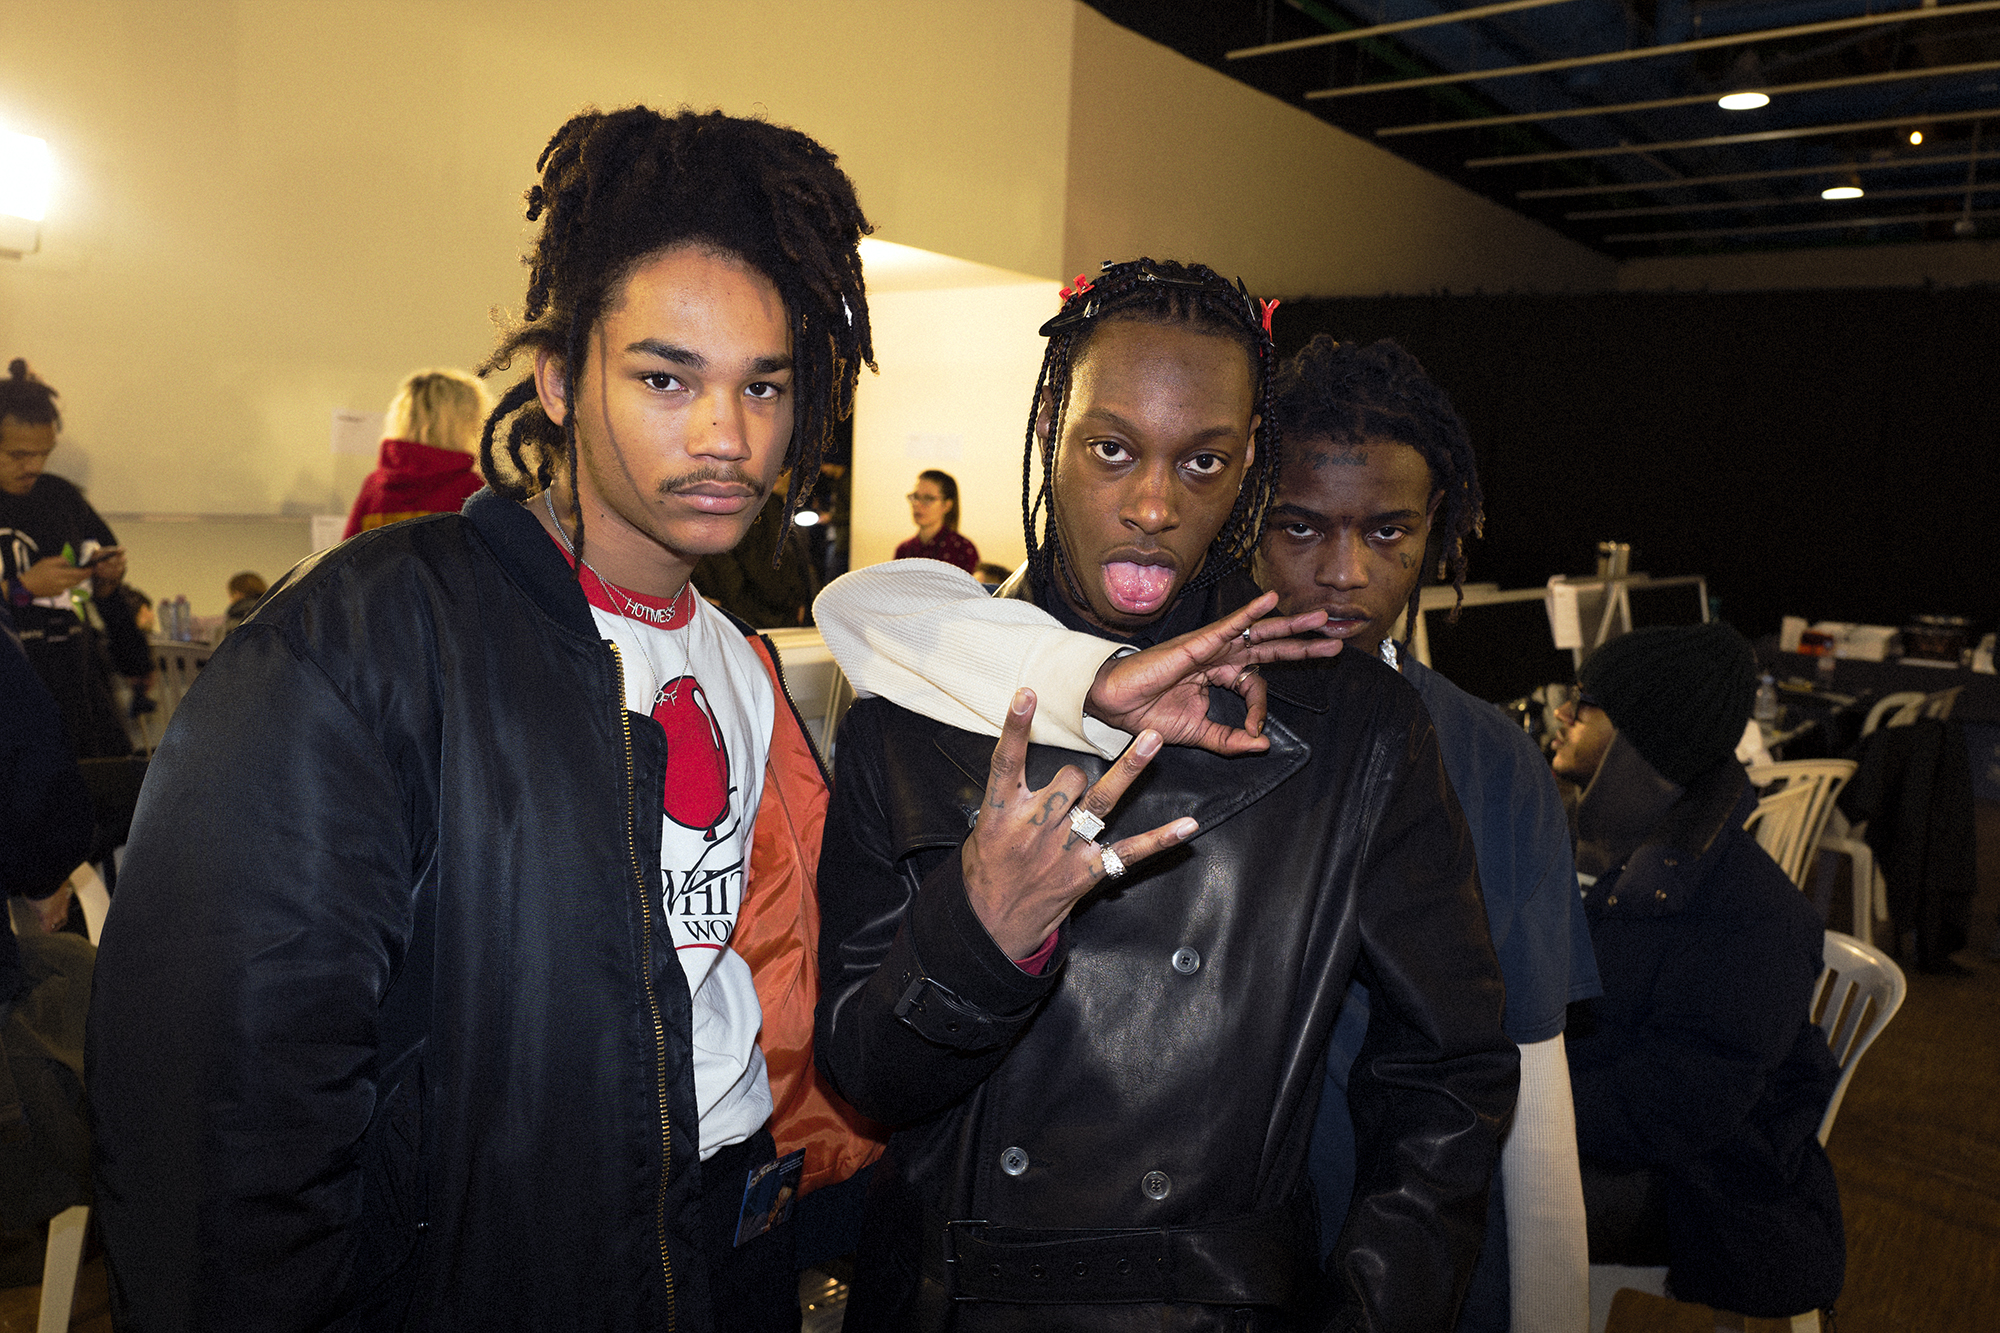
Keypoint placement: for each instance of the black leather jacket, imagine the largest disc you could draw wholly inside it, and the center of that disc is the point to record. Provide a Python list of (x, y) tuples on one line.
[(1120, 1142), (388, 1031)]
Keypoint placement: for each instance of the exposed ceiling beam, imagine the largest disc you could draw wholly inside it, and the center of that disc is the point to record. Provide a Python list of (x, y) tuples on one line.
[(1725, 140), (1383, 29), (1827, 169), (1780, 90), (1773, 229), (1671, 48), (1667, 210)]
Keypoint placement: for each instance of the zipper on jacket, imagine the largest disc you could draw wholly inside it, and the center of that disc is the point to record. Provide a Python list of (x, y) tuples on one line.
[(785, 692), (646, 981)]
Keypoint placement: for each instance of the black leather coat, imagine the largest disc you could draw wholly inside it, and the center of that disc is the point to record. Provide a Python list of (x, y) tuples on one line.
[(388, 1031), (1133, 1123)]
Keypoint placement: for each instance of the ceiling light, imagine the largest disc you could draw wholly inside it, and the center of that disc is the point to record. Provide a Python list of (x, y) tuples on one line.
[(1916, 137), (805, 518), (1743, 101), (1841, 192), (24, 176)]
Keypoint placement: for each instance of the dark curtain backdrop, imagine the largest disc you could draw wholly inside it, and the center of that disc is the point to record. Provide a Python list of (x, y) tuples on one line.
[(1826, 454)]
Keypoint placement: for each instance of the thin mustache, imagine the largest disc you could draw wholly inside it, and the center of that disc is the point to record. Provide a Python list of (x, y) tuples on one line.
[(728, 476)]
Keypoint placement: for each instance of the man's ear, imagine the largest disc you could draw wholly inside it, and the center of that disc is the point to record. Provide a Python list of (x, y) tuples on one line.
[(1045, 420), (550, 385), (1250, 454), (1431, 510)]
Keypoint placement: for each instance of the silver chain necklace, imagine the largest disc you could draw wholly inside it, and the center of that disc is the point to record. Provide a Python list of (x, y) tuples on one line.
[(623, 604)]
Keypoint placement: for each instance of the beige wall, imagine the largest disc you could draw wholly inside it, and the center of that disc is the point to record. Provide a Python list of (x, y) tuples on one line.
[(1946, 263), (1172, 159), (269, 210)]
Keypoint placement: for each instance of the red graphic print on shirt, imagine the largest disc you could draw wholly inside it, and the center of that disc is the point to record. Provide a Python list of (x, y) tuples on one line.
[(697, 757)]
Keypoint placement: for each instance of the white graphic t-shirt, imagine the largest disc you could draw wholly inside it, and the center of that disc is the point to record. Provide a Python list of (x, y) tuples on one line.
[(692, 671)]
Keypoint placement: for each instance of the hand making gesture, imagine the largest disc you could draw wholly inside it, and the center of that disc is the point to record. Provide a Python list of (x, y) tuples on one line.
[(1166, 686), (1033, 854)]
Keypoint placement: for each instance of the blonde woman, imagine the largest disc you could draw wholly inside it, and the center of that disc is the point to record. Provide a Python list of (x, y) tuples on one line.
[(426, 463)]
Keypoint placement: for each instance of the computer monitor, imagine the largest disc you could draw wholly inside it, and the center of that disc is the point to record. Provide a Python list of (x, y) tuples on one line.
[(1500, 649), (1676, 601)]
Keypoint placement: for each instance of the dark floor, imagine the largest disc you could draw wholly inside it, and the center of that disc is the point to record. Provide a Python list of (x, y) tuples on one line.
[(1916, 1149)]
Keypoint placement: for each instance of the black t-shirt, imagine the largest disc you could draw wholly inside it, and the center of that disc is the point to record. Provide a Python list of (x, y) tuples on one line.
[(34, 527)]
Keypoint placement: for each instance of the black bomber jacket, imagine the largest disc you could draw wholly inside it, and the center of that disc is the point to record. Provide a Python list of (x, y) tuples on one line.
[(387, 1031)]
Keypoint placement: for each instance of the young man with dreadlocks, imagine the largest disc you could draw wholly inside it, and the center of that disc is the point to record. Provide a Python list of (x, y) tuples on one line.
[(1378, 485), (464, 1031), (1101, 1057)]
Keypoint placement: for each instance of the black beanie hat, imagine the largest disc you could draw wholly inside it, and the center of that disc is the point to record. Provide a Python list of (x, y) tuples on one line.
[(1679, 693)]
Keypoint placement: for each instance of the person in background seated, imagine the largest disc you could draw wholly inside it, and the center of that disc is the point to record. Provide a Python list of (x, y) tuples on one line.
[(45, 832), (990, 575), (934, 509), (425, 466), (56, 555), (1699, 1077), (245, 591)]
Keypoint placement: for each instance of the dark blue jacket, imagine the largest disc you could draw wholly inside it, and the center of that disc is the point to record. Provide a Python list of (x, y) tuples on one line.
[(1700, 1059)]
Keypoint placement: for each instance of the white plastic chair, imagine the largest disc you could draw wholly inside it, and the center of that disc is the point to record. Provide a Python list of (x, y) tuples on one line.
[(1856, 995), (1789, 820), (1860, 991)]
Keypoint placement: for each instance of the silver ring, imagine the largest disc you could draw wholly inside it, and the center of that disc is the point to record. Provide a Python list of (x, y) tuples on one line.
[(1086, 825), (1114, 866), (1246, 634)]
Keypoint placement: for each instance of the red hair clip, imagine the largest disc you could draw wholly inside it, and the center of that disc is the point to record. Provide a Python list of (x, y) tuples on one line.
[(1083, 284), (1270, 306)]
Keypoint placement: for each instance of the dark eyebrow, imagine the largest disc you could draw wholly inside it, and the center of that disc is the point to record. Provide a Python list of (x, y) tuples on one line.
[(1372, 520), (687, 356), (1222, 432)]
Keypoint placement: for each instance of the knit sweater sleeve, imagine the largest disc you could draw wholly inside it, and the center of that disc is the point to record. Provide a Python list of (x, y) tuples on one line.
[(925, 635)]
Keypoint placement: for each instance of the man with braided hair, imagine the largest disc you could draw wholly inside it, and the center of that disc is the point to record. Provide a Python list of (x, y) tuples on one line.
[(475, 864), (1101, 1057)]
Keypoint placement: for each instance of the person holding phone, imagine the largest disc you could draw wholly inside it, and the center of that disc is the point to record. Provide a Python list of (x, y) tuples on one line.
[(56, 554)]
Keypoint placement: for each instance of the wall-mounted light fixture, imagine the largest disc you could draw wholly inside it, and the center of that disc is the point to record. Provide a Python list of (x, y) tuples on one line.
[(25, 173)]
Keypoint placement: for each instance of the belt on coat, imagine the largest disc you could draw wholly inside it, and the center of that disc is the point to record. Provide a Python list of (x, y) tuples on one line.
[(1262, 1259)]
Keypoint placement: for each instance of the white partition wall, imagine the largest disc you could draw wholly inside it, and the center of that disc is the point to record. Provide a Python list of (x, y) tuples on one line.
[(958, 371)]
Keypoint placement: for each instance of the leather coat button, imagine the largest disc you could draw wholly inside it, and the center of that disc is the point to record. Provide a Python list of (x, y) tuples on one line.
[(1186, 961), (1156, 1184), (1014, 1161)]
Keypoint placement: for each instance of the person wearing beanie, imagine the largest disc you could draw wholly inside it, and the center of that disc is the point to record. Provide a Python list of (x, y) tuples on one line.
[(1699, 1077)]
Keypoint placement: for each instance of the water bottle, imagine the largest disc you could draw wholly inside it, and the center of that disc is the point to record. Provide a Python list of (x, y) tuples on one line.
[(1766, 711)]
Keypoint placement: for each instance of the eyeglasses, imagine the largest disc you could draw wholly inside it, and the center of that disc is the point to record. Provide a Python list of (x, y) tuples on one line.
[(917, 497)]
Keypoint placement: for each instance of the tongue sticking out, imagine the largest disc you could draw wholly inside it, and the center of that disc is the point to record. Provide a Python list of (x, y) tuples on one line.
[(1137, 589)]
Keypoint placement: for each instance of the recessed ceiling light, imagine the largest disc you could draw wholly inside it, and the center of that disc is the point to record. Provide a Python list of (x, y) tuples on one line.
[(1743, 101), (1841, 192), (1916, 137)]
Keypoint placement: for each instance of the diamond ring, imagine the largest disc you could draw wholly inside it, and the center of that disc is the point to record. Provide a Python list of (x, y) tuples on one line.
[(1114, 866), (1086, 825)]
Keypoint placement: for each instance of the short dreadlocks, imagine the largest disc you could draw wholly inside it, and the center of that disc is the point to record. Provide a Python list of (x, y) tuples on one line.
[(618, 188), (1149, 291), (1352, 394), (27, 399)]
